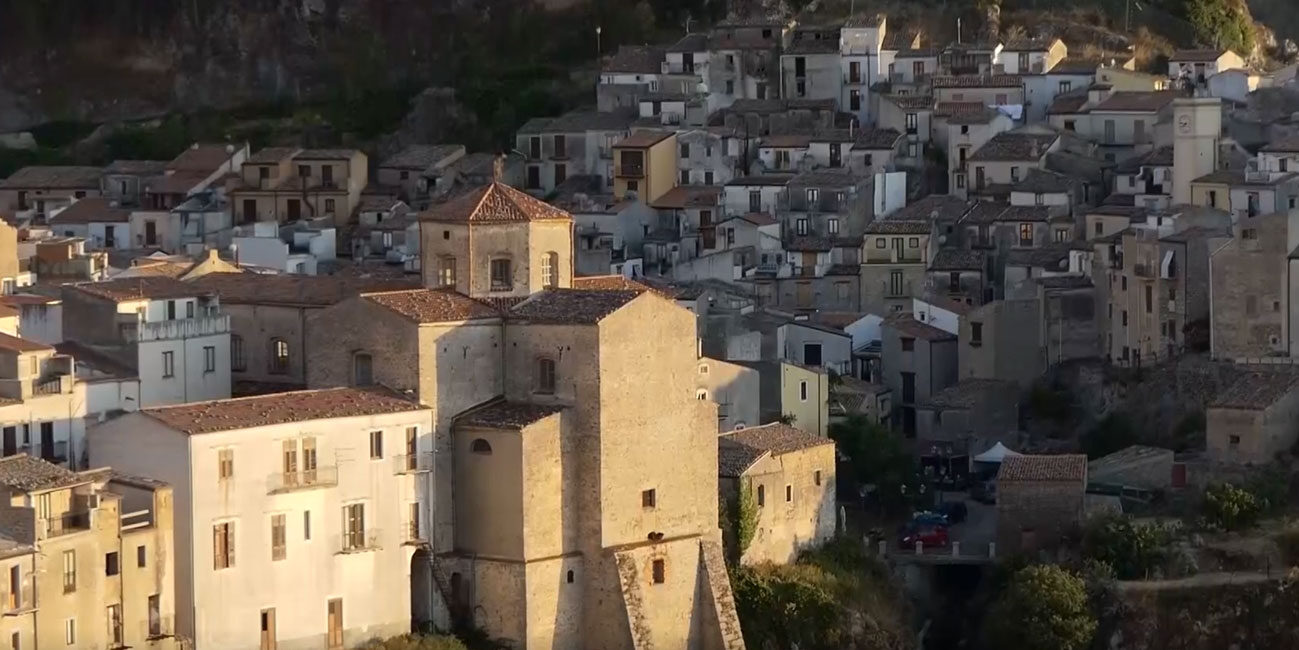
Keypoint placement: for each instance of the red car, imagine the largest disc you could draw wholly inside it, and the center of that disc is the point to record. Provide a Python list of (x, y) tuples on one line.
[(929, 536)]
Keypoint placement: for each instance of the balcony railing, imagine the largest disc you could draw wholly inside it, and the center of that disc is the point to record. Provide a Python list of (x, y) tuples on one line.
[(411, 533), (52, 386), (896, 290), (183, 328), (22, 601), (413, 463), (629, 171), (157, 627), (303, 479), (74, 521), (359, 541)]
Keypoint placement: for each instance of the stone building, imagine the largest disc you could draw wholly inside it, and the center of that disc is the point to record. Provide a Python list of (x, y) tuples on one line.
[(790, 475), (88, 556), (972, 410), (285, 184), (1254, 419), (919, 360), (558, 528), (1039, 500), (1249, 289)]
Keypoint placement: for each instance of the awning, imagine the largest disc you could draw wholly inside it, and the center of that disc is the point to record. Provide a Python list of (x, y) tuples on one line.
[(996, 454)]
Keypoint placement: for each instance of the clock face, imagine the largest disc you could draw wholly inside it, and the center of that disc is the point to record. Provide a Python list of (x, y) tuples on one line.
[(1184, 123)]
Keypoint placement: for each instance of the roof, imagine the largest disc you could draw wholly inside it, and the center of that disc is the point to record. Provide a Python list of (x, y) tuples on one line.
[(643, 138), (494, 203), (153, 287), (969, 392), (1255, 391), (1068, 103), (1029, 44), (432, 305), (290, 289), (201, 158), (907, 325), (572, 306), (978, 81), (696, 42), (612, 283), (1161, 157), (1075, 65), (1238, 177), (136, 167), (958, 259), (326, 154), (808, 41), (1041, 181), (64, 177), (876, 138), (1204, 56), (738, 450), (421, 156), (1064, 282), (27, 474), (1139, 101), (809, 243), (1053, 257), (967, 113), (635, 58), (16, 344), (508, 415), (269, 155), (1013, 145), (281, 408), (795, 141), (688, 196), (578, 122), (934, 206), (755, 218), (1020, 213), (91, 210), (1058, 467), (1126, 457), (830, 178), (100, 361), (761, 179), (1286, 144), (180, 182), (914, 102)]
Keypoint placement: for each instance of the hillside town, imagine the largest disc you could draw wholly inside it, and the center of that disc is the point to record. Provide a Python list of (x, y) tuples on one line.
[(784, 286)]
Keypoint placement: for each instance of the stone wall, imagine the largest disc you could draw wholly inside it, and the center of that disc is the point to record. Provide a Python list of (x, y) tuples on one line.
[(1050, 509)]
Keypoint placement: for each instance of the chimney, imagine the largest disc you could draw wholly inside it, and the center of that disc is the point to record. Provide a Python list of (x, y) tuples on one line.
[(498, 169)]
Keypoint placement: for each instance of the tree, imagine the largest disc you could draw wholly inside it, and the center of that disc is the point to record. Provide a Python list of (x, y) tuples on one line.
[(1043, 608), (1223, 24), (1231, 508), (1133, 550), (877, 458)]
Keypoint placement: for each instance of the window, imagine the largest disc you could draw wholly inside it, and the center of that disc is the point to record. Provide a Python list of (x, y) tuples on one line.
[(730, 85), (446, 271), (816, 477), (1070, 125), (15, 641), (960, 181), (762, 496), (800, 88), (1014, 174), (354, 526), (362, 369), (895, 283), (209, 358), (800, 226), (225, 464), (833, 226), (1064, 87), (168, 364), (813, 196), (69, 571), (913, 242), (912, 122), (976, 334), (685, 150), (306, 525), (659, 571), (533, 181), (633, 186), (1124, 317), (237, 361), (141, 556), (376, 445), (480, 446), (1123, 283), (329, 206), (812, 354), (1025, 234), (1150, 299), (789, 494), (304, 171), (546, 376), (561, 173), (569, 577), (70, 631), (648, 499), (223, 545), (708, 178), (802, 391), (112, 565), (908, 344), (881, 243), (550, 270), (155, 616), (279, 357), (278, 538), (685, 177), (502, 278)]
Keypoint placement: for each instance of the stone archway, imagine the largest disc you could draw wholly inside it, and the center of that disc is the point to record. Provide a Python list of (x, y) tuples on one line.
[(421, 591)]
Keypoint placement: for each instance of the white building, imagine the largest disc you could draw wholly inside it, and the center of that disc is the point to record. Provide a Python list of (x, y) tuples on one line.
[(299, 248), (43, 410), (172, 335), (297, 515)]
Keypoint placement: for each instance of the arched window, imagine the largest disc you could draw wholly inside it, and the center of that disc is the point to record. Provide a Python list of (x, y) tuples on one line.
[(480, 446), (447, 271), (550, 270), (362, 369), (279, 362), (237, 360), (546, 376), (570, 576)]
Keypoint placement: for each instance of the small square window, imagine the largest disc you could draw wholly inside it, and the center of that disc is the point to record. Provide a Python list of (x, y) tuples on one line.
[(789, 494), (913, 242), (446, 234), (659, 571), (648, 499), (111, 565), (1235, 440), (908, 344), (141, 556), (816, 477)]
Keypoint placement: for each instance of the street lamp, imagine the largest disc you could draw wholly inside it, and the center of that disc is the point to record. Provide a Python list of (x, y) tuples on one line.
[(597, 42)]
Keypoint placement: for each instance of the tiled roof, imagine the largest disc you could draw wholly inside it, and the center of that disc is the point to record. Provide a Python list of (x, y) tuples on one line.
[(809, 243), (829, 178), (696, 42), (610, 283), (571, 306), (420, 157), (1058, 467), (141, 288), (91, 210), (876, 138), (1256, 391), (1068, 103), (494, 203), (767, 180), (934, 206), (16, 344), (181, 182), (1041, 181), (755, 218), (643, 138), (1051, 258), (914, 102), (1238, 177), (1141, 101), (865, 19), (1064, 282), (579, 122), (735, 458), (290, 289), (200, 158), (1012, 146), (896, 226), (636, 59), (68, 177), (1018, 213), (326, 154), (1029, 44), (984, 213), (507, 415), (907, 325), (978, 114), (26, 474), (978, 81), (1202, 56), (270, 155), (281, 408), (100, 361), (806, 42), (689, 196), (969, 392), (795, 141), (776, 439), (432, 305), (944, 302), (136, 167), (958, 259), (1075, 65), (1161, 157), (1286, 144)]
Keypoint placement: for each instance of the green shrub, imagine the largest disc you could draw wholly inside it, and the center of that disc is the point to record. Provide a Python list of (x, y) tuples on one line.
[(417, 642), (1043, 608), (1133, 550), (1228, 507)]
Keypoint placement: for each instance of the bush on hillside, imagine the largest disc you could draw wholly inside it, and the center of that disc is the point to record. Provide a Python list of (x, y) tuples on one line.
[(1228, 507), (1044, 607)]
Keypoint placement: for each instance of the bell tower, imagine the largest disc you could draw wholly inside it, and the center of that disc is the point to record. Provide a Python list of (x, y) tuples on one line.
[(1197, 128)]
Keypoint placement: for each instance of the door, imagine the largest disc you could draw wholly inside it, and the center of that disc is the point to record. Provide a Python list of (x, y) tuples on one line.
[(978, 178), (10, 441), (327, 175), (47, 441), (897, 249), (268, 629), (109, 240), (836, 157), (250, 210), (811, 354), (150, 233), (295, 209), (335, 634), (171, 310), (804, 295)]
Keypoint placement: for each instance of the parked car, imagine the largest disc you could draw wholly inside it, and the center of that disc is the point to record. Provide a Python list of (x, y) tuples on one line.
[(955, 511), (930, 518), (984, 492), (929, 536)]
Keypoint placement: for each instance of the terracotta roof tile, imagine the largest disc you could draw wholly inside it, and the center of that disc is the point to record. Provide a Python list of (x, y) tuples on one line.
[(969, 392), (571, 306), (978, 81), (281, 408), (91, 210), (66, 177), (957, 259), (734, 458), (200, 158), (16, 344), (1059, 467), (420, 157), (289, 289), (494, 203), (24, 473), (508, 415), (907, 325), (1203, 56), (915, 102), (1013, 146), (635, 58), (738, 450), (689, 196), (1141, 101), (433, 305), (1256, 391), (141, 288)]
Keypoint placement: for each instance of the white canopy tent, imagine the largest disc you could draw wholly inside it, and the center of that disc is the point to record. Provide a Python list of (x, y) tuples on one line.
[(996, 454)]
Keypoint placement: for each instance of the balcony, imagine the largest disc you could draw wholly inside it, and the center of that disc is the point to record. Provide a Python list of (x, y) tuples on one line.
[(1144, 271), (24, 600), (73, 521), (185, 328), (57, 385), (893, 256), (411, 534), (896, 290), (306, 479), (417, 463), (361, 541), (629, 171)]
